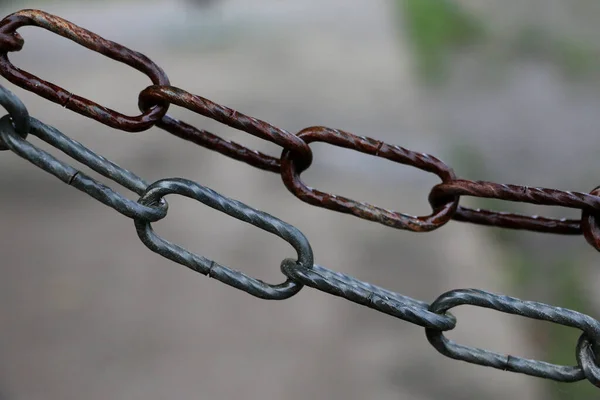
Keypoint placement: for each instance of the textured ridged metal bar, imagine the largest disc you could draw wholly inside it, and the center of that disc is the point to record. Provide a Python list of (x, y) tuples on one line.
[(368, 295)]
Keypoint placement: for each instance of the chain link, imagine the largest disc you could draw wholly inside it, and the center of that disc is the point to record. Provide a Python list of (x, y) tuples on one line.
[(295, 158), (264, 221), (290, 172), (511, 305), (10, 40), (160, 94)]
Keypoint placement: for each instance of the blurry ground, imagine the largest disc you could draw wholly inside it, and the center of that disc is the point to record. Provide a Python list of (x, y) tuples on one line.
[(88, 312)]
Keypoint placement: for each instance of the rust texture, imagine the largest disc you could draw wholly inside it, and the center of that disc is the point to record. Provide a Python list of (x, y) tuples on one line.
[(290, 172), (296, 155), (516, 193), (10, 40), (160, 94)]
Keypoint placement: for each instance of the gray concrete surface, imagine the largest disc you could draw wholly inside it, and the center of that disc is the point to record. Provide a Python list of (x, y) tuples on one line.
[(88, 312)]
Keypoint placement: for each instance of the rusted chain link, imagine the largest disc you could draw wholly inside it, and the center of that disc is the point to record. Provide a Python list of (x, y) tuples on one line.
[(10, 40), (295, 158)]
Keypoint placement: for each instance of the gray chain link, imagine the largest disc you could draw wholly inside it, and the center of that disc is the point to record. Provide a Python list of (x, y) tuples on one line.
[(152, 207)]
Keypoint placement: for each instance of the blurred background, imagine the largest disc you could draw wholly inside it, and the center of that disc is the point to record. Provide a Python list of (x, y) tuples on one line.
[(503, 91)]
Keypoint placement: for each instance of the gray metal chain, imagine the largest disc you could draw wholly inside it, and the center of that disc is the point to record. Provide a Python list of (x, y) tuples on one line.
[(151, 207)]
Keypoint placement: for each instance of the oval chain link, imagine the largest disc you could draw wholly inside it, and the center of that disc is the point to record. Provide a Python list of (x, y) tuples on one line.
[(10, 40)]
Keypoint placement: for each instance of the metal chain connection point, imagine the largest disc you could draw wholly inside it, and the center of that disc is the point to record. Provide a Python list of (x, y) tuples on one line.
[(588, 355)]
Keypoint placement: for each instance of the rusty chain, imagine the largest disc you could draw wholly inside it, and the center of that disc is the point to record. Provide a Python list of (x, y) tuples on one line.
[(154, 102)]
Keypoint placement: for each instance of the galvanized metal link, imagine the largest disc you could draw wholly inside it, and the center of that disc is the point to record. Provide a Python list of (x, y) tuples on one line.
[(14, 141), (528, 309), (236, 209)]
